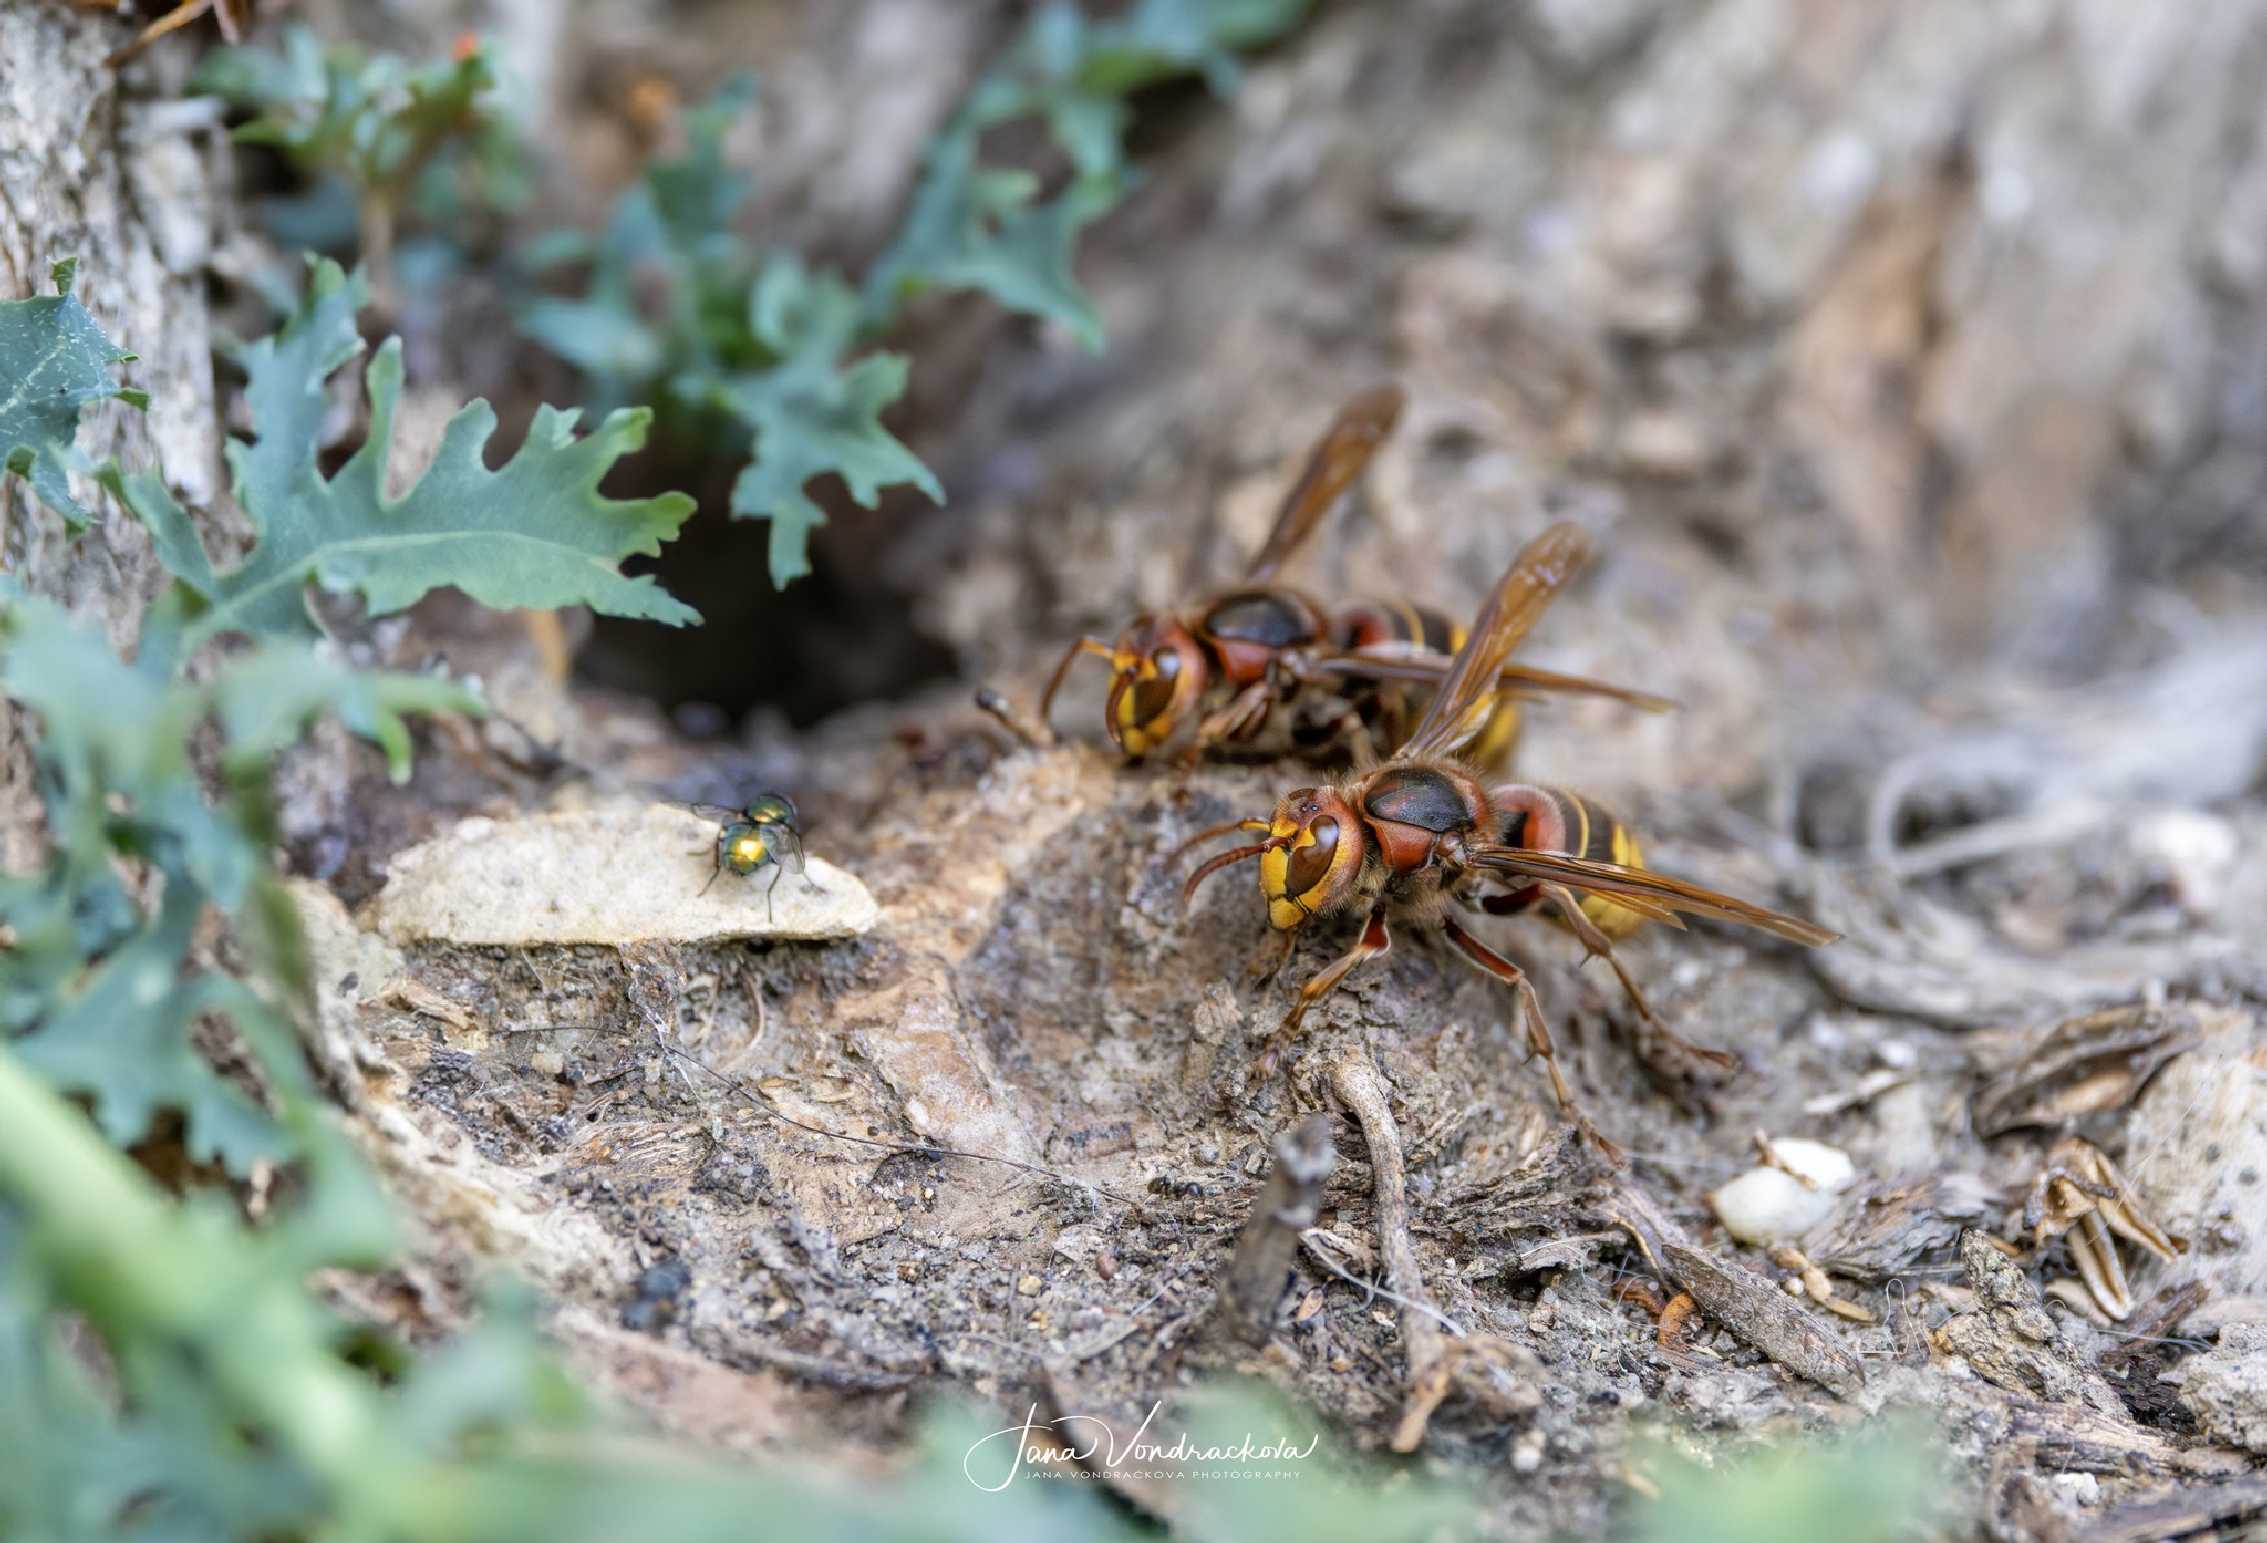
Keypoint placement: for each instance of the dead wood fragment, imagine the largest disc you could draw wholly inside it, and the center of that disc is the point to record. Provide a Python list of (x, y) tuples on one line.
[(1502, 1377), (1257, 1273), (414, 996), (1883, 1227), (2182, 1513), (2225, 1388), (2071, 1438), (2083, 1195), (2009, 1339), (1506, 1374), (1766, 1317), (1867, 1088), (2165, 1313), (2081, 1066), (1356, 1081)]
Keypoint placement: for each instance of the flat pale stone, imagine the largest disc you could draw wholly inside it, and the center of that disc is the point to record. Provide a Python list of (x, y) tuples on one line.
[(620, 875)]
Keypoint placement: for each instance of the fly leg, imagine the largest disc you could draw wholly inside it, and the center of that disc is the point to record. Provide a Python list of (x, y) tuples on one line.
[(1375, 940)]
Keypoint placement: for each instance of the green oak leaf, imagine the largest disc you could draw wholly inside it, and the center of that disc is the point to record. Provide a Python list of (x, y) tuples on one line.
[(54, 360), (810, 413), (971, 226), (535, 532)]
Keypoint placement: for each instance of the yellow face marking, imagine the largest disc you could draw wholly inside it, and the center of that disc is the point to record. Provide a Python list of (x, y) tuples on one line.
[(1134, 736), (1283, 912)]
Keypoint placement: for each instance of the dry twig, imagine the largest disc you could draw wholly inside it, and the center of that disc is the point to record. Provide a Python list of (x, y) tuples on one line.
[(1261, 1265), (1504, 1375)]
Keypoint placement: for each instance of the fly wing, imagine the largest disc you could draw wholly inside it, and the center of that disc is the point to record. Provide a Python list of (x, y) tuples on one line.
[(1338, 458), (1643, 885), (1460, 709)]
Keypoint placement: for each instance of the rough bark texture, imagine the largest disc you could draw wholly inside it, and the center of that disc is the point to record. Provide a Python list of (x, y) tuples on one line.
[(90, 168), (1906, 360)]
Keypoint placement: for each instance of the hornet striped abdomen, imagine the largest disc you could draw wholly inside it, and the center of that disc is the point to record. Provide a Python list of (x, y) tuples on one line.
[(1373, 626), (1402, 839), (1549, 819), (1218, 674)]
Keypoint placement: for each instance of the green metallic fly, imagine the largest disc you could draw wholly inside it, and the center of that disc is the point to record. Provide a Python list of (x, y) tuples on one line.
[(760, 835)]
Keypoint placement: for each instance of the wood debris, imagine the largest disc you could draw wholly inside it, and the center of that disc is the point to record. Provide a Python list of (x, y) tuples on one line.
[(2010, 1340), (2081, 1066), (1763, 1315), (410, 995), (2083, 1198), (1503, 1378), (1881, 1228), (1260, 1268)]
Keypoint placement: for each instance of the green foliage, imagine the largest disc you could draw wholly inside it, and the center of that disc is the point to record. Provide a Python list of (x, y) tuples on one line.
[(430, 142), (236, 1413), (811, 413), (535, 532), (670, 233), (102, 993), (758, 352), (1882, 1485), (54, 360), (984, 228)]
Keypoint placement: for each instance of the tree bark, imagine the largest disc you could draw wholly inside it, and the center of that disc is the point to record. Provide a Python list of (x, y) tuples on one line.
[(89, 170)]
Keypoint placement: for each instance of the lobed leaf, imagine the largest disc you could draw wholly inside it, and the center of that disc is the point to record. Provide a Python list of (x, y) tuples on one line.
[(535, 532), (975, 227), (54, 360), (797, 396), (372, 120), (811, 414), (104, 998)]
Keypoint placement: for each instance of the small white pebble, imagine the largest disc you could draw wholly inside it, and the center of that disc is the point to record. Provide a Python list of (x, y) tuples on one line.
[(1527, 1452), (1828, 1167), (1767, 1205), (2197, 851)]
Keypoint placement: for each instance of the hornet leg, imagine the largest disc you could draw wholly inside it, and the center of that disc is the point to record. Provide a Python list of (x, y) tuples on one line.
[(1062, 668), (1238, 716), (1538, 1033), (1375, 941), (1600, 946)]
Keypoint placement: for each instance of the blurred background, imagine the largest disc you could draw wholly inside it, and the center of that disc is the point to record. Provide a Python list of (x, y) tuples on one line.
[(1896, 355), (1905, 360)]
